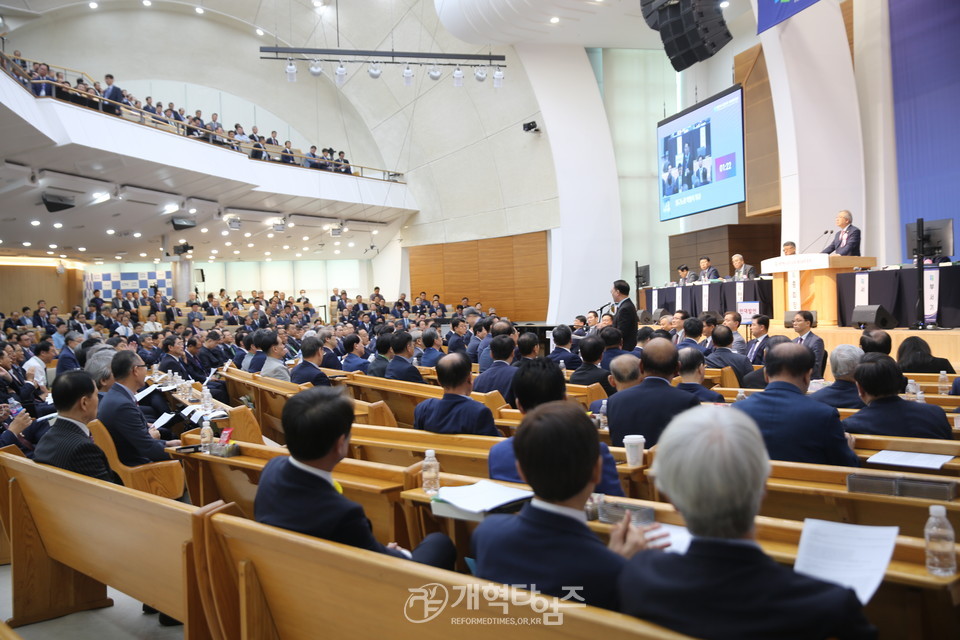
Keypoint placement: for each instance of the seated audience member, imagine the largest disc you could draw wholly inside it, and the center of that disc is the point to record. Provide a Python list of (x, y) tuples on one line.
[(298, 492), (273, 367), (710, 323), (914, 356), (692, 332), (878, 379), (67, 443), (538, 382), (548, 544), (485, 331), (456, 411), (329, 341), (724, 356), (172, 360), (137, 442), (876, 341), (757, 379), (528, 347), (309, 369), (431, 355), (612, 346), (591, 351), (456, 342), (38, 360), (693, 373), (67, 360), (646, 408), (760, 329), (796, 428), (644, 335), (802, 322), (401, 367), (732, 320), (384, 348), (843, 393), (499, 377), (712, 465), (354, 360)]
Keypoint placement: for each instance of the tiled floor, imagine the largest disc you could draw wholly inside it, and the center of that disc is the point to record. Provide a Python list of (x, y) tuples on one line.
[(123, 620)]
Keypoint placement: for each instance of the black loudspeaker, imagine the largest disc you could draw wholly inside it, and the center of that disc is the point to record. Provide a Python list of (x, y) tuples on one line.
[(651, 12), (788, 318), (644, 316), (692, 31), (54, 202), (657, 313), (872, 316), (179, 224)]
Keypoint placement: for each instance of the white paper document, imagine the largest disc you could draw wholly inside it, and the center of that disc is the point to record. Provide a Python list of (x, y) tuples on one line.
[(679, 537), (162, 420), (482, 496), (190, 408), (851, 555), (910, 459), (168, 387), (145, 392)]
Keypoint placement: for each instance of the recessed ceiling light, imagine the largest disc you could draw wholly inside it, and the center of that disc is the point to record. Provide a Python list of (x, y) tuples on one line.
[(305, 238), (98, 262), (171, 208), (269, 235), (199, 10), (35, 223), (269, 259), (336, 251), (285, 247), (156, 260), (350, 244), (93, 5), (63, 255), (724, 4), (203, 229), (236, 251), (299, 254), (306, 248), (81, 248), (57, 225), (27, 244), (337, 243), (291, 225), (374, 232), (49, 253), (110, 232), (250, 245), (193, 210), (181, 241), (247, 234), (228, 244), (53, 246), (137, 234), (118, 257), (147, 3), (143, 255), (225, 232), (259, 32), (214, 251), (554, 20)]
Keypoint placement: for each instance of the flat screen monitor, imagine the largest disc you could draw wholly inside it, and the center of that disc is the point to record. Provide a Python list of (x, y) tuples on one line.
[(937, 238), (701, 156)]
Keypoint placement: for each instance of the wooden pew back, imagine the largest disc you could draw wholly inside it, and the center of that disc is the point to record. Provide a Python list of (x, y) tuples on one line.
[(163, 478), (403, 397)]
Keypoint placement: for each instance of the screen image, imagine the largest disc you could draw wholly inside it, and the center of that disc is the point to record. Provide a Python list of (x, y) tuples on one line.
[(701, 156)]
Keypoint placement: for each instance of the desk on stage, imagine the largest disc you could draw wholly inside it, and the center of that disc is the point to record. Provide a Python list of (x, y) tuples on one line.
[(896, 290), (809, 281), (720, 297)]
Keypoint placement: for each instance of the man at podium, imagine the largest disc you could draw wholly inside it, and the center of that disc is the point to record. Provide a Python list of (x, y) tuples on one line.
[(846, 242)]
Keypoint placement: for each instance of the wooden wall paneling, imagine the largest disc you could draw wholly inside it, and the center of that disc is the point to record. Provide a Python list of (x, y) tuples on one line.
[(496, 286), (761, 151), (531, 277), (462, 271), (427, 270), (24, 285)]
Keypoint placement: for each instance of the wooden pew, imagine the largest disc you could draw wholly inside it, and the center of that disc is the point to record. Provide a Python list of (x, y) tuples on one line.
[(375, 486), (71, 536), (910, 603), (164, 478), (507, 420), (867, 446), (585, 394), (341, 590)]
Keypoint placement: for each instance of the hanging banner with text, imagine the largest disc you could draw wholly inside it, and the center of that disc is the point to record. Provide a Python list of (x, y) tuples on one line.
[(772, 12), (931, 295)]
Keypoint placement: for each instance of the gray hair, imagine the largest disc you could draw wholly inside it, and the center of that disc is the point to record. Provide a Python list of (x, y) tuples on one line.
[(324, 334), (846, 214), (625, 368), (735, 256), (713, 465), (844, 360), (72, 335), (99, 359)]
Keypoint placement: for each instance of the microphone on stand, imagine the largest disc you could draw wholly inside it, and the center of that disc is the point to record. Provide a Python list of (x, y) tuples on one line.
[(819, 238), (602, 307)]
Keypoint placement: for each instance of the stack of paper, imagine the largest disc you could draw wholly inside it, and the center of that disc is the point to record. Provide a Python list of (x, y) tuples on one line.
[(474, 501)]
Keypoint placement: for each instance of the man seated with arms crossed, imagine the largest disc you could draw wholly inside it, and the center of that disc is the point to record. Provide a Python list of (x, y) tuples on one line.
[(538, 382), (67, 443), (136, 441), (499, 377), (878, 379), (693, 373), (712, 465), (549, 544), (843, 393), (298, 492), (796, 428), (456, 411)]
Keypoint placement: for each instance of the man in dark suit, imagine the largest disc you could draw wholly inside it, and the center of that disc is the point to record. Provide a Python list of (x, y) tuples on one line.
[(707, 272), (456, 411), (724, 356), (626, 318), (67, 443), (309, 369), (173, 312), (843, 393), (137, 443), (431, 355), (692, 332), (591, 351), (648, 407), (742, 271), (612, 346), (879, 380), (354, 359), (796, 428), (846, 242), (563, 338), (329, 359), (499, 377), (172, 359), (67, 360), (510, 548), (759, 328), (725, 586), (802, 322), (299, 493), (692, 372), (401, 367)]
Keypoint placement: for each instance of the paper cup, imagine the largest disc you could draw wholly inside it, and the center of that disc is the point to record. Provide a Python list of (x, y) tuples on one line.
[(634, 445)]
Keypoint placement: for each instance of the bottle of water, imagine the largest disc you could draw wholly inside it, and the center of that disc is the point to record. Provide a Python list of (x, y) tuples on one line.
[(431, 473), (943, 384), (603, 423), (207, 400), (941, 556), (206, 437), (921, 397), (740, 396), (15, 407), (563, 366), (416, 361), (912, 390)]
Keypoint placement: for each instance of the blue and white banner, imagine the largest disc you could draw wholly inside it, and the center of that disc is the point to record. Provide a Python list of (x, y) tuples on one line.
[(772, 12)]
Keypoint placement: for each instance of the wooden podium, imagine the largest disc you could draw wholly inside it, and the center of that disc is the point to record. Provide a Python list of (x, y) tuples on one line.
[(809, 281)]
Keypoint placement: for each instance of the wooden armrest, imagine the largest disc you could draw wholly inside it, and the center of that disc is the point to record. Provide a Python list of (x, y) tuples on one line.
[(163, 479)]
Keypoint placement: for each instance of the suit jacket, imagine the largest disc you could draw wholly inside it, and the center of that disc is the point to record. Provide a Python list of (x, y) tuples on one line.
[(502, 465), (210, 358), (171, 363), (173, 313), (646, 409), (550, 550), (123, 419), (66, 446), (701, 392), (626, 320), (894, 416), (456, 344), (569, 359), (850, 248), (709, 274), (257, 362), (431, 356), (814, 343), (67, 361), (454, 414), (796, 428), (293, 499), (739, 344), (401, 369), (842, 394), (309, 372), (733, 591), (690, 342), (499, 377), (588, 373), (354, 362), (724, 357), (610, 354), (274, 368), (756, 346), (746, 272), (474, 348), (330, 360), (378, 367)]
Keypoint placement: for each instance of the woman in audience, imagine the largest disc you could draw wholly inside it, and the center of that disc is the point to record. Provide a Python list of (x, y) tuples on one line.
[(914, 356)]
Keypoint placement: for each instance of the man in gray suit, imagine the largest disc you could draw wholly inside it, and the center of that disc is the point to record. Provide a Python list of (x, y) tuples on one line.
[(684, 276), (273, 367), (742, 271)]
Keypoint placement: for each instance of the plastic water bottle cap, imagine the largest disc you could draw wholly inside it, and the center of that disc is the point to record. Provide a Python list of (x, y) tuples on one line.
[(938, 510), (431, 453)]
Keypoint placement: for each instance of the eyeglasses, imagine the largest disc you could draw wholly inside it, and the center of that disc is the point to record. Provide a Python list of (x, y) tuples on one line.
[(141, 365)]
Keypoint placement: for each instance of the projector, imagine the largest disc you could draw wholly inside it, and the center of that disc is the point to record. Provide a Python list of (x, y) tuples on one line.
[(280, 227), (234, 224), (336, 232), (181, 249)]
